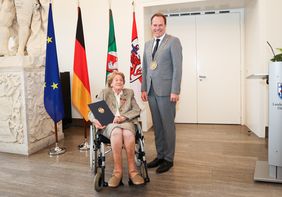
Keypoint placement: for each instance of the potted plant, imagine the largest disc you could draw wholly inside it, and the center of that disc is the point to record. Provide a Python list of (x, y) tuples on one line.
[(276, 57)]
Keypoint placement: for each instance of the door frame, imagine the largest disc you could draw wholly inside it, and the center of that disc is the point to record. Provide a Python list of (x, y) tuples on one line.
[(147, 9)]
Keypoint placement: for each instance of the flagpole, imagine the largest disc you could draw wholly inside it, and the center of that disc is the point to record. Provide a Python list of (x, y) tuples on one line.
[(56, 150), (53, 100), (84, 146), (79, 91), (56, 132), (133, 5)]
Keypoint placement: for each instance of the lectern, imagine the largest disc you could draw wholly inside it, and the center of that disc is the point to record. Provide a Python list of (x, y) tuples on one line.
[(271, 170)]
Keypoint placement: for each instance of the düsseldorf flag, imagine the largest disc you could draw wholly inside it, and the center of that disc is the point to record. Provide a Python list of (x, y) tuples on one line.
[(135, 68)]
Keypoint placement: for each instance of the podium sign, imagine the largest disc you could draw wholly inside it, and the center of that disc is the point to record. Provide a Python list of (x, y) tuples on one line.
[(271, 170), (275, 120)]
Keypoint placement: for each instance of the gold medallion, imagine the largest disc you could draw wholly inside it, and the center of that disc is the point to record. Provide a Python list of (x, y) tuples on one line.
[(101, 110), (153, 65)]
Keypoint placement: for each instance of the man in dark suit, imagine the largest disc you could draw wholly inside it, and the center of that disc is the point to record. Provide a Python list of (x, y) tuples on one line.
[(162, 71)]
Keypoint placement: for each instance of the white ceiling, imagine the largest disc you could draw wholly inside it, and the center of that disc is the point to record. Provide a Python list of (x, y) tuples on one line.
[(199, 6)]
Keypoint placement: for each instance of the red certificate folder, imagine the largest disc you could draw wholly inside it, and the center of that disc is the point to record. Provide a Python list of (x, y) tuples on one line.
[(102, 112)]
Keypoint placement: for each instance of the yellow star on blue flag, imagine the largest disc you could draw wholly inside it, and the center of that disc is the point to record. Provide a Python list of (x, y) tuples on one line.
[(53, 97)]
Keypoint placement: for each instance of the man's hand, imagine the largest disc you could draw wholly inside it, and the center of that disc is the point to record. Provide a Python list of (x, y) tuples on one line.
[(144, 96), (174, 97)]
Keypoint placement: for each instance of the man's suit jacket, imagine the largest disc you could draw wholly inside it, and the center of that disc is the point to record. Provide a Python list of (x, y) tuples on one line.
[(128, 105), (166, 78)]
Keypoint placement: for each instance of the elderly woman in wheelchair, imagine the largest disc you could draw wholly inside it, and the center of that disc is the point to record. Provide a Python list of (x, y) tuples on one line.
[(122, 131)]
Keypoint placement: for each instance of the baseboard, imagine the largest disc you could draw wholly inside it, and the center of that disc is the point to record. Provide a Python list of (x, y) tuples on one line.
[(79, 122)]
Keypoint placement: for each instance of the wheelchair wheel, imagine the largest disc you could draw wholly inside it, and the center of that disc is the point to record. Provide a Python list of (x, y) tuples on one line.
[(142, 169), (95, 162), (138, 162), (98, 182), (143, 172), (137, 155)]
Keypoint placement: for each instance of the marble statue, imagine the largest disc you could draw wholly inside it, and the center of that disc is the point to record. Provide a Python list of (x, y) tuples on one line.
[(24, 13), (7, 16), (23, 22), (25, 126), (35, 43), (44, 14)]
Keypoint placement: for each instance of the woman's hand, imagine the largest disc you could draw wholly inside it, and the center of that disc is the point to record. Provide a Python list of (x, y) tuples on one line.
[(119, 119), (98, 124)]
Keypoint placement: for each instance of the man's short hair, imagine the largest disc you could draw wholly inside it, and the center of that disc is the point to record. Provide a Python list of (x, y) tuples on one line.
[(159, 15)]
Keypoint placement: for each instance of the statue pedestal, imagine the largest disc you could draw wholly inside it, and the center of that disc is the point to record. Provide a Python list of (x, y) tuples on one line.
[(25, 126)]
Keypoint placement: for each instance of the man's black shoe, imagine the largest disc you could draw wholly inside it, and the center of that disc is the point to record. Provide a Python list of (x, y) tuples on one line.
[(155, 163), (165, 166)]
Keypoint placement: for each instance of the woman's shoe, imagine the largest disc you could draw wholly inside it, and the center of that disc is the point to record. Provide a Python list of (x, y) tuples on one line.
[(115, 181), (136, 180)]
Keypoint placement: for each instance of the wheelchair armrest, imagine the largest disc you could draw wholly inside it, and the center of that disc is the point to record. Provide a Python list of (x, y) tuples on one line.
[(104, 139), (98, 136)]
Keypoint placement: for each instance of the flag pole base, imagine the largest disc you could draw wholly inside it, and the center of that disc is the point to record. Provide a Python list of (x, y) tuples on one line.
[(57, 150), (84, 146)]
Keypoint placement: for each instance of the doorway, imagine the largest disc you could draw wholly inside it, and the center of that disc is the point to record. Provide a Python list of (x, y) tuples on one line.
[(211, 88)]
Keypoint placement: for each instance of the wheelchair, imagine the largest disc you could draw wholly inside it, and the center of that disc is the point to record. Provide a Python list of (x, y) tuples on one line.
[(100, 147)]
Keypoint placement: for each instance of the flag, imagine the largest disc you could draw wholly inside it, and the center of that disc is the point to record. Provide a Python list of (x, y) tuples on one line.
[(112, 58), (135, 68), (81, 95), (53, 98)]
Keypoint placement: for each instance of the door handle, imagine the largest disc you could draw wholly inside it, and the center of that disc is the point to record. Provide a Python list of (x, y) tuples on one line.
[(202, 77)]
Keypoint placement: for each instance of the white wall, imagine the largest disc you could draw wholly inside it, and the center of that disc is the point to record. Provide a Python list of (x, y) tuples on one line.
[(261, 26), (95, 17)]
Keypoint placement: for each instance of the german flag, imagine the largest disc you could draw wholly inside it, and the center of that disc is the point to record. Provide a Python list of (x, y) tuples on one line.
[(81, 95)]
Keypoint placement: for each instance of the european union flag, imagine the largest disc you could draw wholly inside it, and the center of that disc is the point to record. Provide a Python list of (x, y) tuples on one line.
[(53, 98)]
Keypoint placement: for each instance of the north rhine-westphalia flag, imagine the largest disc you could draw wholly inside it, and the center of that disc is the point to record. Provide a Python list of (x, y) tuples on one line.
[(112, 59), (81, 95), (53, 97), (135, 68)]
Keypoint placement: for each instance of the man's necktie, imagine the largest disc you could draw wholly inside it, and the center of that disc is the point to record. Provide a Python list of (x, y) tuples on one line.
[(155, 48)]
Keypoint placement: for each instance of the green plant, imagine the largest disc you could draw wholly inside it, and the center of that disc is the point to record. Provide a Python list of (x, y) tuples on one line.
[(276, 57)]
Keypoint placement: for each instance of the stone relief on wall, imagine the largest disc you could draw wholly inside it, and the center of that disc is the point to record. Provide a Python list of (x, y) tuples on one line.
[(23, 120), (23, 27), (40, 124), (11, 122)]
